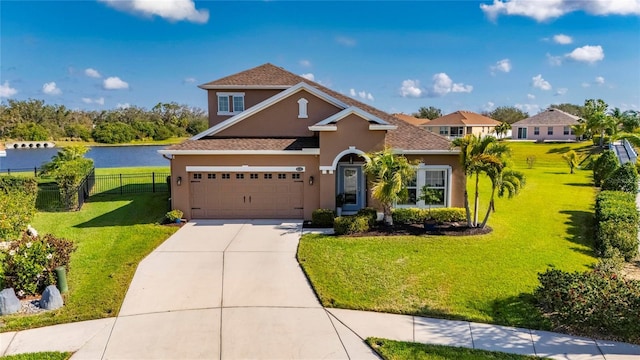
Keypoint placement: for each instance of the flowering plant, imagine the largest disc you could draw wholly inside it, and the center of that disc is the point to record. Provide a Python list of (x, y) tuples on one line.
[(30, 262)]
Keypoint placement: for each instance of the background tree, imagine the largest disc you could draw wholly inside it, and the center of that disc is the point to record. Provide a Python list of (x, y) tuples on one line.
[(572, 109), (428, 113), (508, 114), (629, 121), (597, 119), (389, 174)]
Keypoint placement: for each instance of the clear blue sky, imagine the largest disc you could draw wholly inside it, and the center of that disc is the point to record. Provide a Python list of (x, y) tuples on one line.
[(397, 56)]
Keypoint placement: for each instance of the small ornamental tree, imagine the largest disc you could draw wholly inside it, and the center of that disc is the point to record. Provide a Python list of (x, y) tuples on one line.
[(69, 168), (572, 159)]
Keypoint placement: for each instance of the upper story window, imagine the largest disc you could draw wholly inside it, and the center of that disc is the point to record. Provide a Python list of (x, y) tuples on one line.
[(230, 103)]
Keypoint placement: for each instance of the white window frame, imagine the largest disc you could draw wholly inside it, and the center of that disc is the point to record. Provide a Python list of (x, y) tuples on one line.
[(444, 130), (231, 103), (302, 108), (536, 130), (421, 179)]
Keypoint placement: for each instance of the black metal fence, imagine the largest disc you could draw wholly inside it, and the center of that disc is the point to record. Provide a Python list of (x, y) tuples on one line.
[(50, 198)]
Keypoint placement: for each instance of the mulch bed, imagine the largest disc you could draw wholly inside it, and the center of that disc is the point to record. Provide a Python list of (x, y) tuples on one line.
[(446, 229)]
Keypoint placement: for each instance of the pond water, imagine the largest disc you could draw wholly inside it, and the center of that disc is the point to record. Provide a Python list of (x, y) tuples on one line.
[(103, 157)]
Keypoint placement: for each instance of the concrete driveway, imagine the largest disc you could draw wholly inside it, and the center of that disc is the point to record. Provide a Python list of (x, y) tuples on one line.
[(226, 290)]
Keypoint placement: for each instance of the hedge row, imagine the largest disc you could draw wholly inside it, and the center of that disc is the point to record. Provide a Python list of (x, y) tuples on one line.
[(17, 205), (616, 219), (591, 303), (419, 216)]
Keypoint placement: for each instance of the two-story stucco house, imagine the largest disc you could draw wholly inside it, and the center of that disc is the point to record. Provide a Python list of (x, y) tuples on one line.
[(281, 146)]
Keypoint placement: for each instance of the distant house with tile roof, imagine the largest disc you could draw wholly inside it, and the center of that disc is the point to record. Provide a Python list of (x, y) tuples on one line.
[(282, 146), (461, 123), (549, 125), (411, 119)]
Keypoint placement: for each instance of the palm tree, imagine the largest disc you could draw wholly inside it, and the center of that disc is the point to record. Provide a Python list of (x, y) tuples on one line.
[(391, 173), (572, 159), (65, 155), (506, 182), (477, 155), (502, 129), (598, 121)]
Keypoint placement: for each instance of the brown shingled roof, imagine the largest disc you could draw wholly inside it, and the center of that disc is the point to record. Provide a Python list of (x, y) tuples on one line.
[(549, 117), (464, 118), (405, 137), (248, 144), (411, 119)]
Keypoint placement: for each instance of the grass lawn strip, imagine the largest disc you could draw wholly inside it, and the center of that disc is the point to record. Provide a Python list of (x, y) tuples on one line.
[(398, 350), (487, 278), (113, 234), (39, 356)]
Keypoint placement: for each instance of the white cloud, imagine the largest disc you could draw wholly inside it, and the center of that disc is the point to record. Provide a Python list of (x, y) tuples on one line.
[(51, 89), (462, 88), (562, 39), (189, 80), (531, 109), (114, 83), (309, 76), (599, 80), (489, 106), (554, 60), (503, 65), (587, 53), (561, 91), (411, 88), (540, 83), (171, 10), (552, 9), (305, 63), (6, 90), (346, 41), (361, 94), (99, 101), (531, 96), (92, 73), (442, 85), (123, 106)]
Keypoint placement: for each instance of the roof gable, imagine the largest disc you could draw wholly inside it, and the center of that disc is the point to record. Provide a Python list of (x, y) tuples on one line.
[(550, 116)]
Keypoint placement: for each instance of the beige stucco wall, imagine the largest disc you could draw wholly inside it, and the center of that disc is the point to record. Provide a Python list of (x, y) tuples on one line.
[(181, 196), (482, 130), (281, 119), (251, 98), (558, 133)]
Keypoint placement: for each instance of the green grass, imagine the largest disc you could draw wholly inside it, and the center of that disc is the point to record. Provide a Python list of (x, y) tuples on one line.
[(112, 234), (397, 350), (39, 356), (487, 278), (133, 170)]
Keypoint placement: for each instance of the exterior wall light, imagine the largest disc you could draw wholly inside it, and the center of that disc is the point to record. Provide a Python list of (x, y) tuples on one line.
[(310, 180), (179, 180)]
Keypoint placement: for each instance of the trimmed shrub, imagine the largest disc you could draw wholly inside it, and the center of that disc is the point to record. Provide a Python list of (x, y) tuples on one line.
[(344, 225), (604, 166), (443, 215), (624, 178), (371, 214), (591, 303), (323, 217), (17, 205), (617, 221), (30, 263), (409, 215)]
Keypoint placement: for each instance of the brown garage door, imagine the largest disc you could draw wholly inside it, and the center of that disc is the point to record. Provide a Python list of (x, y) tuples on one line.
[(246, 195)]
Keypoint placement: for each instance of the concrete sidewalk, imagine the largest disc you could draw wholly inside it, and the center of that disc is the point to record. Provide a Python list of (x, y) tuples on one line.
[(234, 290)]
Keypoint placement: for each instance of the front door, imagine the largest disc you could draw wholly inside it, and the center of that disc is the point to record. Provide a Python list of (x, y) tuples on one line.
[(351, 184)]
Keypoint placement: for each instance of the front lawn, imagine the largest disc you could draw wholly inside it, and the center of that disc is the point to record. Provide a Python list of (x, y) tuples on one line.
[(397, 350), (112, 233), (487, 278)]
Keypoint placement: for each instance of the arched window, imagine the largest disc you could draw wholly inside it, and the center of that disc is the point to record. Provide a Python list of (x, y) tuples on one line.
[(302, 108)]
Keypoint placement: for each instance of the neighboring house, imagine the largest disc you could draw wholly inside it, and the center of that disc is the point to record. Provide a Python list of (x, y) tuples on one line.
[(551, 124), (282, 146), (461, 123), (411, 119)]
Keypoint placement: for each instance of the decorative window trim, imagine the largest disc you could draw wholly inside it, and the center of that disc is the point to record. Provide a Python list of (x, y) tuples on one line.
[(302, 108), (230, 98), (421, 181)]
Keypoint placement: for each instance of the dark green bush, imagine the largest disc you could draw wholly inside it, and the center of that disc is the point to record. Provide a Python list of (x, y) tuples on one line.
[(371, 214), (113, 132), (408, 215), (593, 303), (344, 225), (17, 205), (604, 166), (443, 215), (323, 217), (616, 219), (624, 178), (30, 263)]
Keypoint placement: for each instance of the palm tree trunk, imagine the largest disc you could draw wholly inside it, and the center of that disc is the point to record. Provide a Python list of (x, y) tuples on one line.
[(601, 138), (388, 218), (486, 217), (476, 200), (466, 207)]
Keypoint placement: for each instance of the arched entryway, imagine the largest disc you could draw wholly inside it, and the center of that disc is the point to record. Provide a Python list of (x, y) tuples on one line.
[(351, 184)]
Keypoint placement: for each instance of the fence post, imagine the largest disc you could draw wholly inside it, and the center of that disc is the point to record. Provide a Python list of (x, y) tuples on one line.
[(120, 184), (153, 181), (35, 171), (8, 171)]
